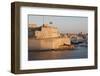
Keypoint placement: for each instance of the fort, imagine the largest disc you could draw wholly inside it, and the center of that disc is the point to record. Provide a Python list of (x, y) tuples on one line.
[(47, 37)]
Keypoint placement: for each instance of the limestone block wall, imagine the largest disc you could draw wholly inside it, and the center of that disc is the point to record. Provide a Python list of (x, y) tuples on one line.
[(50, 44), (33, 44), (47, 38), (66, 41), (40, 44), (47, 33)]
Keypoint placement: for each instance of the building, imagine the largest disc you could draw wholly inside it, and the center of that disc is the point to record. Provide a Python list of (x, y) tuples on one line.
[(32, 25), (46, 37), (47, 32)]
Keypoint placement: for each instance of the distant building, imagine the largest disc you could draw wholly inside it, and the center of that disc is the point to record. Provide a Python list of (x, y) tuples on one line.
[(46, 37), (32, 25)]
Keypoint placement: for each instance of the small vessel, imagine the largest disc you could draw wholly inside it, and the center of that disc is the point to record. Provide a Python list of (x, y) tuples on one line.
[(83, 45)]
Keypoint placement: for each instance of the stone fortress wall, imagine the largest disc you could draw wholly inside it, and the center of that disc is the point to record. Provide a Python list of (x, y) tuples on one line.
[(48, 37)]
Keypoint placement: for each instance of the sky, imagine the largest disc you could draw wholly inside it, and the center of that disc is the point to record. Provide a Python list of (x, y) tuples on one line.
[(65, 24)]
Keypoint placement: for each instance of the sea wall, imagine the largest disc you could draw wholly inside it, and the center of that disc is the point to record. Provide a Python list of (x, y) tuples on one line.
[(48, 43)]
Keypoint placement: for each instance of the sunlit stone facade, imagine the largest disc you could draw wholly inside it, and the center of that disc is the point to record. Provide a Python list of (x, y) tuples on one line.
[(47, 32), (48, 37)]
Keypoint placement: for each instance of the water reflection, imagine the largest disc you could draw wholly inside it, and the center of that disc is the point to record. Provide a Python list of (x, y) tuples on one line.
[(79, 52)]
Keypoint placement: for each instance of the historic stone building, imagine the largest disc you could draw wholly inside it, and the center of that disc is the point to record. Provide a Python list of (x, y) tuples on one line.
[(46, 37)]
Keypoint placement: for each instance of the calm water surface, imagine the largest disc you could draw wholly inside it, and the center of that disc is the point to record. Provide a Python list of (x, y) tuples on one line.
[(79, 52)]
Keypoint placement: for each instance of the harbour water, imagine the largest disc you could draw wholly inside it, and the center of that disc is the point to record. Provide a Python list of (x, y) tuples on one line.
[(78, 52)]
